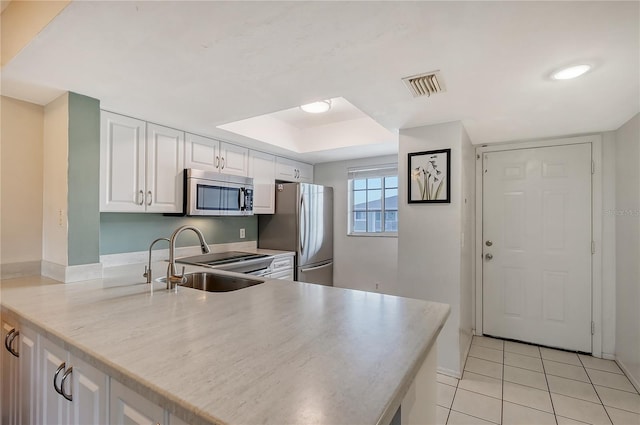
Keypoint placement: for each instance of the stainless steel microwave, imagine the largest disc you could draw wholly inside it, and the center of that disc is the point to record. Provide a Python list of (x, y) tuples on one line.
[(210, 193)]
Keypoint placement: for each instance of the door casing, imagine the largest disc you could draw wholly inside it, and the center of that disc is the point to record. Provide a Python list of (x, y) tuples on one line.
[(596, 226)]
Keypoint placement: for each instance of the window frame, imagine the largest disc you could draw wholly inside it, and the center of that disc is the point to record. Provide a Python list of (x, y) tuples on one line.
[(382, 171)]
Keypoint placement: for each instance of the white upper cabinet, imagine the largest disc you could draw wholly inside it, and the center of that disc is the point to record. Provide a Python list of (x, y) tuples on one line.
[(293, 171), (165, 163), (201, 153), (122, 163), (208, 154), (262, 167), (234, 160), (305, 172), (140, 166)]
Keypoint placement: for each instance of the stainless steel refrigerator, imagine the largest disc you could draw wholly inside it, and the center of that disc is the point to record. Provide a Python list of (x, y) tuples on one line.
[(303, 222)]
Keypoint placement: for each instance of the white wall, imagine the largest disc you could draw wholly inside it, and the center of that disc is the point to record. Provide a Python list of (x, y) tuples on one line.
[(608, 245), (628, 248), (359, 261), (429, 239), (467, 240), (21, 219), (56, 147)]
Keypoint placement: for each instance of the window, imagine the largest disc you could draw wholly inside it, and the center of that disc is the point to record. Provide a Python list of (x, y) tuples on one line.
[(373, 201)]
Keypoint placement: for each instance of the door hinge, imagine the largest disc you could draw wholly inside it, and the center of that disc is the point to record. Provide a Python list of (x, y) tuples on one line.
[(593, 328), (593, 167), (593, 247)]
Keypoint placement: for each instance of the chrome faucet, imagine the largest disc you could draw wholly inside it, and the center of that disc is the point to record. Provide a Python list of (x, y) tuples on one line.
[(172, 277), (147, 269)]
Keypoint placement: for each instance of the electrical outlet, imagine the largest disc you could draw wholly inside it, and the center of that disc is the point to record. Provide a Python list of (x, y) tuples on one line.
[(242, 234)]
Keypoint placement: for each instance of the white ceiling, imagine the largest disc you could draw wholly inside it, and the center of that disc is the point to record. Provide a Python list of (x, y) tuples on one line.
[(343, 125), (198, 65)]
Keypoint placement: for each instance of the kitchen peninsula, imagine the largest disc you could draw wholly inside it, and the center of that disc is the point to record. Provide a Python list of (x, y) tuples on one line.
[(280, 352)]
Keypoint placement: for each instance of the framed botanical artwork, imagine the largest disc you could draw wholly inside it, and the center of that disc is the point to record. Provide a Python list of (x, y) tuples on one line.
[(429, 177)]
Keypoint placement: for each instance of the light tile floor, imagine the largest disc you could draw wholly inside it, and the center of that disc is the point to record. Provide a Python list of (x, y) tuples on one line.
[(511, 383)]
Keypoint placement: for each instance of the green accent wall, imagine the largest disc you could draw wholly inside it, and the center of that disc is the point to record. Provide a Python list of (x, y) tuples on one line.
[(132, 232), (83, 180)]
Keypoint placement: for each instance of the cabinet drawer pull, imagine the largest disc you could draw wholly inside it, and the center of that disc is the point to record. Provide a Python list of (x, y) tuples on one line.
[(149, 197), (64, 378), (141, 197), (55, 377)]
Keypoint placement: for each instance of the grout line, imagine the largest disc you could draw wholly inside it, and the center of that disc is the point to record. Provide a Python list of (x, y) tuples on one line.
[(594, 389), (555, 417), (502, 387), (560, 416), (529, 407), (480, 358), (457, 385), (612, 388), (482, 419)]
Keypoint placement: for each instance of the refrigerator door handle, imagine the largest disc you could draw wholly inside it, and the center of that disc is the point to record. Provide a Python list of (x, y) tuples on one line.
[(317, 267), (303, 213)]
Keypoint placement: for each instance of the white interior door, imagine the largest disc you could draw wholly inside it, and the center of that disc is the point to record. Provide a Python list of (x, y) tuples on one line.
[(537, 245)]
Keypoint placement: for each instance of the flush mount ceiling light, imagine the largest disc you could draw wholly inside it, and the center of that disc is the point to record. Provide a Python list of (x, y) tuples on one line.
[(570, 72), (317, 107)]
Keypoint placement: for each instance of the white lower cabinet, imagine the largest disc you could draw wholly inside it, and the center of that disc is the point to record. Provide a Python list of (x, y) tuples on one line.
[(10, 375), (28, 376), (282, 267), (42, 383), (174, 420), (89, 389), (54, 408), (130, 408), (71, 391)]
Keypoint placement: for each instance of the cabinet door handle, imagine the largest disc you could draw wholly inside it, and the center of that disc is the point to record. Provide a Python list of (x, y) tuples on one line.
[(217, 161), (55, 377), (141, 197), (222, 162), (8, 341), (149, 197), (64, 378), (11, 350)]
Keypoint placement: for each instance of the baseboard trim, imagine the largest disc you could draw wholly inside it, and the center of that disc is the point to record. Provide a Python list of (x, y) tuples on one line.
[(635, 381), (68, 274), (25, 268), (449, 372), (608, 356)]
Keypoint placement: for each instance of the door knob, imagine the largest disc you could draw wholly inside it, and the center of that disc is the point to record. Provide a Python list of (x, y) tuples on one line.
[(488, 256), (488, 243)]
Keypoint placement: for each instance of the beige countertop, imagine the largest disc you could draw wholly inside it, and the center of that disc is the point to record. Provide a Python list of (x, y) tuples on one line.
[(276, 353)]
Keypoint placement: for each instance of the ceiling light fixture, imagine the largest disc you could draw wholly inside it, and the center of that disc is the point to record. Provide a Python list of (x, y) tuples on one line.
[(571, 72), (317, 107)]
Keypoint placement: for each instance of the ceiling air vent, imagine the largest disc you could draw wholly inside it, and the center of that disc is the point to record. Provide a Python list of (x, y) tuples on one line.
[(425, 84)]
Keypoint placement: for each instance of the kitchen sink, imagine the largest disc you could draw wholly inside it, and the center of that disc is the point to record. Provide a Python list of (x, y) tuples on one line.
[(214, 282)]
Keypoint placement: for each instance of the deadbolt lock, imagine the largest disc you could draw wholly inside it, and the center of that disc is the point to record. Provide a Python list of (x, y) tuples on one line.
[(488, 243), (488, 256)]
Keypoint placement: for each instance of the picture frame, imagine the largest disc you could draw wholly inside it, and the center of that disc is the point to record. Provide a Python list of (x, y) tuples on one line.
[(429, 177)]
